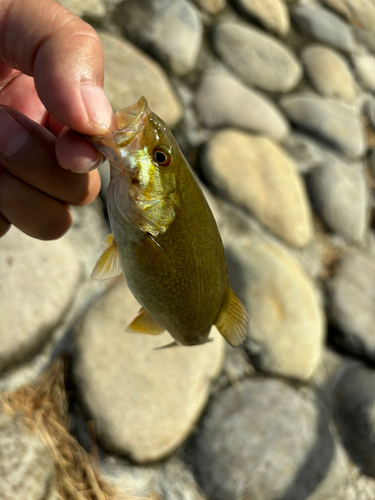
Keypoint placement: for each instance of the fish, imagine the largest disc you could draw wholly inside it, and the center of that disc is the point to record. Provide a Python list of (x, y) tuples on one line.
[(164, 236)]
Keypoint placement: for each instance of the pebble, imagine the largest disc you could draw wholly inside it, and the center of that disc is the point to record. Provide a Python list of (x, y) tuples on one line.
[(328, 72), (26, 466), (323, 26), (222, 100), (355, 408), (144, 402), (92, 9), (170, 30), (38, 282), (358, 12), (271, 14), (286, 320), (365, 68), (351, 298), (340, 196), (330, 120), (131, 74), (267, 440), (211, 6), (262, 179), (257, 58)]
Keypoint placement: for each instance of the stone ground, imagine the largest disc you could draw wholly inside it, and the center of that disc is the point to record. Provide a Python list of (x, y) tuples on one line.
[(272, 102)]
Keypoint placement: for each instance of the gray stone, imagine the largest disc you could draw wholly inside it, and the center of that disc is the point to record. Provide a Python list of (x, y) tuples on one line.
[(286, 321), (221, 100), (269, 441), (211, 6), (365, 68), (358, 12), (272, 14), (365, 37), (168, 29), (257, 58), (38, 282), (351, 298), (340, 196), (255, 173), (90, 9), (26, 466), (144, 401), (322, 25), (328, 72), (355, 406), (131, 74), (331, 120), (171, 480)]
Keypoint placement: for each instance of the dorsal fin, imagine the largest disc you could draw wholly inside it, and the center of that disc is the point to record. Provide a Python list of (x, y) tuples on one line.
[(233, 321), (145, 323), (108, 264)]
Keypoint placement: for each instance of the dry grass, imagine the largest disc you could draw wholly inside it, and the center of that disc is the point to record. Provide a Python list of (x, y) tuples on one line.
[(45, 410)]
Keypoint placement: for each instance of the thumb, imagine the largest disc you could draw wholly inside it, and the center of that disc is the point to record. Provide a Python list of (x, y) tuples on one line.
[(65, 57)]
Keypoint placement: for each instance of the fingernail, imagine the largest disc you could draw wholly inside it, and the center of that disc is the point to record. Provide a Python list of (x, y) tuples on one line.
[(92, 165), (12, 135), (97, 106)]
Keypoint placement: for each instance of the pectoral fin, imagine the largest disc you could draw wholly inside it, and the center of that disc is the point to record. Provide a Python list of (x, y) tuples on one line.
[(108, 264), (233, 320), (145, 323)]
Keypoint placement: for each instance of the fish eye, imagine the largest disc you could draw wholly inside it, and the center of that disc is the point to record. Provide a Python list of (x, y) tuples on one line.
[(162, 156)]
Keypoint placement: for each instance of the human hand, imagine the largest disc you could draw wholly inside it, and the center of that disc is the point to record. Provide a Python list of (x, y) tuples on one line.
[(51, 77)]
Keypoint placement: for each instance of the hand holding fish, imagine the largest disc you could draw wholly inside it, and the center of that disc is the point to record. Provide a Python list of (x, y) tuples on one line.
[(51, 76)]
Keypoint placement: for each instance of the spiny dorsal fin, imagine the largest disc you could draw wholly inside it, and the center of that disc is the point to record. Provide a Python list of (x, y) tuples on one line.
[(145, 323), (233, 320), (108, 264)]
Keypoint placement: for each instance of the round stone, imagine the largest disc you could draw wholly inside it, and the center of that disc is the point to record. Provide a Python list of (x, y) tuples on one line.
[(272, 14), (365, 68)]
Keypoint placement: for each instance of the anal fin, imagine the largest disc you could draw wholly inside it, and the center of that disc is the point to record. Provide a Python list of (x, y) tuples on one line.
[(108, 264), (145, 323), (233, 321)]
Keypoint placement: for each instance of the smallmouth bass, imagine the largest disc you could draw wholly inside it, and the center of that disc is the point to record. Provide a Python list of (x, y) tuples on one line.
[(164, 237)]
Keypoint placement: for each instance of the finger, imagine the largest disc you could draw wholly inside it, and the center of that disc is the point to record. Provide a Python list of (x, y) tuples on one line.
[(32, 211), (27, 150), (75, 153), (65, 57), (5, 225)]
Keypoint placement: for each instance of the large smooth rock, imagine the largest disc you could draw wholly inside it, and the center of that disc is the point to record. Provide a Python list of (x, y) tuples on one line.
[(144, 401), (268, 440), (222, 100), (255, 173), (328, 72), (169, 29), (257, 58), (286, 320), (323, 26), (351, 298), (26, 466), (365, 68), (358, 12), (272, 14), (340, 196), (131, 74), (331, 120), (38, 283)]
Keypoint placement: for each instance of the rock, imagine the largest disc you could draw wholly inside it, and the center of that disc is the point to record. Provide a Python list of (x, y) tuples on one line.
[(355, 408), (255, 173), (272, 14), (269, 441), (221, 100), (365, 37), (131, 74), (286, 326), (351, 296), (170, 30), (141, 404), (331, 120), (171, 480), (211, 6), (38, 282), (365, 68), (328, 72), (322, 25), (257, 58), (358, 12), (90, 9), (26, 466), (340, 196)]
